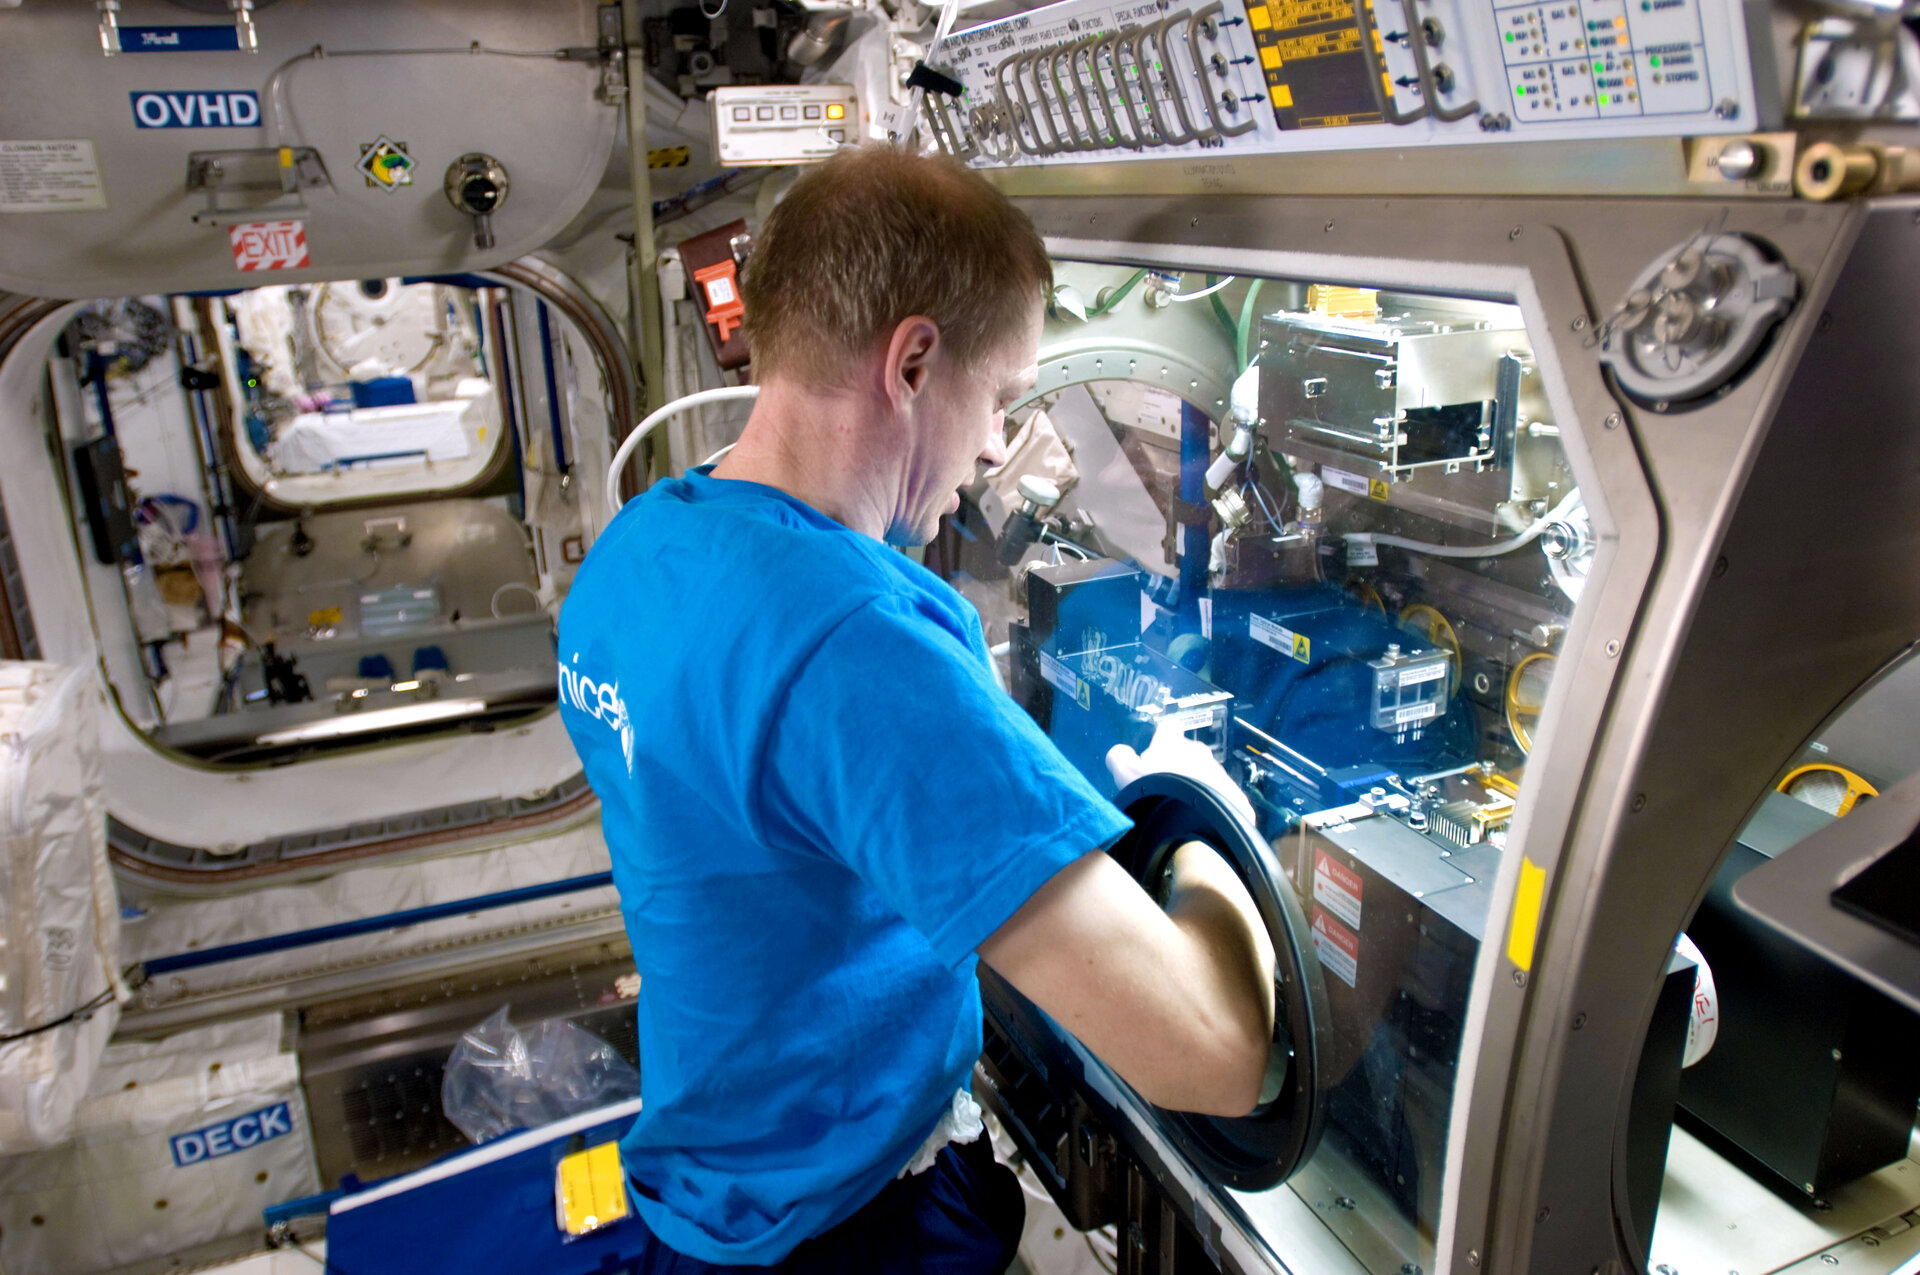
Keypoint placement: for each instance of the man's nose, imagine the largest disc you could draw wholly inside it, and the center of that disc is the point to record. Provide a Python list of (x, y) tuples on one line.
[(995, 452)]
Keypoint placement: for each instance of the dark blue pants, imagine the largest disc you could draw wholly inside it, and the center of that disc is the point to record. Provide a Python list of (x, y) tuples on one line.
[(960, 1217)]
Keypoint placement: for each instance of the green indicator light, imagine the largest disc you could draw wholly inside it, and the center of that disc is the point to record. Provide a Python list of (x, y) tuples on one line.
[(1509, 37), (1603, 99), (1656, 59), (1520, 92), (1598, 67)]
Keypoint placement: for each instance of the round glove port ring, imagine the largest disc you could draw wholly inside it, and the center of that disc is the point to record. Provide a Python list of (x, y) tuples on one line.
[(1263, 1148)]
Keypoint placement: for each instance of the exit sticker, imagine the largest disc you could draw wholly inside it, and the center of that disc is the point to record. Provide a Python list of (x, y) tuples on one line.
[(269, 245)]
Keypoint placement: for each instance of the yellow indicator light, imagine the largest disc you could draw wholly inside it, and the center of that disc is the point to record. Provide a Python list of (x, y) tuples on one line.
[(835, 111), (1282, 96), (286, 157)]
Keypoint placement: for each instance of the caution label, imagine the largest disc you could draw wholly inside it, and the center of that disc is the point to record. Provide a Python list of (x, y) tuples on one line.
[(1281, 638), (1337, 947), (1337, 888), (1354, 484), (1065, 680), (50, 176)]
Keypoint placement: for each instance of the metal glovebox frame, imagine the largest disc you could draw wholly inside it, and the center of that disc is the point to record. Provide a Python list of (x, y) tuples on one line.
[(1664, 732)]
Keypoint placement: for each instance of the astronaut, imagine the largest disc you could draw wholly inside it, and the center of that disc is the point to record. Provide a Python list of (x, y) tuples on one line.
[(821, 808)]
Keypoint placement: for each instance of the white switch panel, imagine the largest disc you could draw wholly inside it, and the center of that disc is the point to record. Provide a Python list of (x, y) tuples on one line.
[(782, 123)]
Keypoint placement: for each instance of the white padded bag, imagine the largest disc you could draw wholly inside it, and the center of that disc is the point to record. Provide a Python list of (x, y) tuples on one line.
[(60, 986)]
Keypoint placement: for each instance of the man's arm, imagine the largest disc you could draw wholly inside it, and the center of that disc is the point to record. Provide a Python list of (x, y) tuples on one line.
[(1178, 1002)]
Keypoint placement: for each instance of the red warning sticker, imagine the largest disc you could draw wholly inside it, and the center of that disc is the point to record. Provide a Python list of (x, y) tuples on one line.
[(1336, 887), (269, 245), (1337, 947)]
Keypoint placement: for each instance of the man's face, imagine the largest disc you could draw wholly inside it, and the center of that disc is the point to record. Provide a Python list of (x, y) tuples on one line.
[(961, 426)]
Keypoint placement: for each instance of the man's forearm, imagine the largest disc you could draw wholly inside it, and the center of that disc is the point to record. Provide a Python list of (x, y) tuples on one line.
[(1233, 966)]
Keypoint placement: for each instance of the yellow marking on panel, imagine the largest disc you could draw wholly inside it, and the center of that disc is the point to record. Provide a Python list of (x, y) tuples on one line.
[(1270, 58), (592, 1188), (1377, 489), (1282, 96), (1259, 17), (1526, 914)]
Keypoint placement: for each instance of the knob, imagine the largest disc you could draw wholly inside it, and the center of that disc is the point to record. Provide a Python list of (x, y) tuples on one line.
[(1042, 493), (477, 185), (1739, 160)]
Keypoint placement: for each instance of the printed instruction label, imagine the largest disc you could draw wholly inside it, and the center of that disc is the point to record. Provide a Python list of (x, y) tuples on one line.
[(1282, 639), (233, 1135), (1337, 888), (1337, 947), (1206, 618), (50, 176), (1425, 673), (1362, 553), (1065, 680)]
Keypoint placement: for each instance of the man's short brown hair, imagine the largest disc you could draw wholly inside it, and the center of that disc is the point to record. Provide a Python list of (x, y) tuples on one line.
[(876, 234)]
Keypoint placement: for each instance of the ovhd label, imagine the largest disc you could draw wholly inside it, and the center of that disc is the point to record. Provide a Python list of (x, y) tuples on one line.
[(223, 108), (229, 1136)]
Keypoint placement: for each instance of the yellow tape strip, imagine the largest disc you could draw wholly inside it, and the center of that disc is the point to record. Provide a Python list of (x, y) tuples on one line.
[(1526, 914)]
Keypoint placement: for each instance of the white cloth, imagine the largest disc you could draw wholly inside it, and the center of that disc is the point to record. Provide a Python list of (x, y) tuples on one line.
[(960, 1122), (313, 440)]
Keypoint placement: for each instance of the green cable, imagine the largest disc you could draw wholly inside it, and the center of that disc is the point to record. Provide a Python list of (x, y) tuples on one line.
[(1221, 313), (1246, 323), (1119, 294)]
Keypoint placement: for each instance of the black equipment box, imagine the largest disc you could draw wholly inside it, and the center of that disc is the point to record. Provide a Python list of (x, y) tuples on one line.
[(1813, 1077)]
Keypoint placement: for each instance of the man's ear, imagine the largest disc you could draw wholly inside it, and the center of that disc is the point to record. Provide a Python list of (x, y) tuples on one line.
[(910, 355)]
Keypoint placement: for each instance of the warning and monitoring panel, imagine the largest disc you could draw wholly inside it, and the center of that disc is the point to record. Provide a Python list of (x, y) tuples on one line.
[(1092, 80), (782, 123)]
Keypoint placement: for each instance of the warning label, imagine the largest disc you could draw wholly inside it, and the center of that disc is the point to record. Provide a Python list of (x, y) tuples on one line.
[(1337, 947), (56, 176), (1336, 887), (1065, 679), (269, 245), (1280, 638)]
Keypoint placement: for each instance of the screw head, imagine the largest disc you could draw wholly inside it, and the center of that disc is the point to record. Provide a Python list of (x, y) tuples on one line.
[(1612, 421), (1328, 227), (1579, 323), (1514, 233), (1579, 1021), (1613, 648), (1829, 1259), (1639, 802), (1543, 1214), (1473, 1257), (1519, 978)]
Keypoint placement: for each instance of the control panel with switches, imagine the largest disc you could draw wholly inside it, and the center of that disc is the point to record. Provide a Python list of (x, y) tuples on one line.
[(782, 123)]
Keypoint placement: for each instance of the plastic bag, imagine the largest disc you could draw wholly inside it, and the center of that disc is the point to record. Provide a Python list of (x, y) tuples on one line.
[(500, 1079)]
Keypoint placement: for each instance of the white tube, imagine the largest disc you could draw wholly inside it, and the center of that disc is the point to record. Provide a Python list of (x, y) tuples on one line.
[(723, 394), (1494, 550), (1204, 292)]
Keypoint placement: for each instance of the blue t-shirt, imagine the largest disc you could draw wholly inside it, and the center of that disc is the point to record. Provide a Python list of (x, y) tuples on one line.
[(818, 803)]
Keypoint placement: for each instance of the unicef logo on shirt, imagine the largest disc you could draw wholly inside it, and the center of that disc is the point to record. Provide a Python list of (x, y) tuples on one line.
[(600, 701)]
